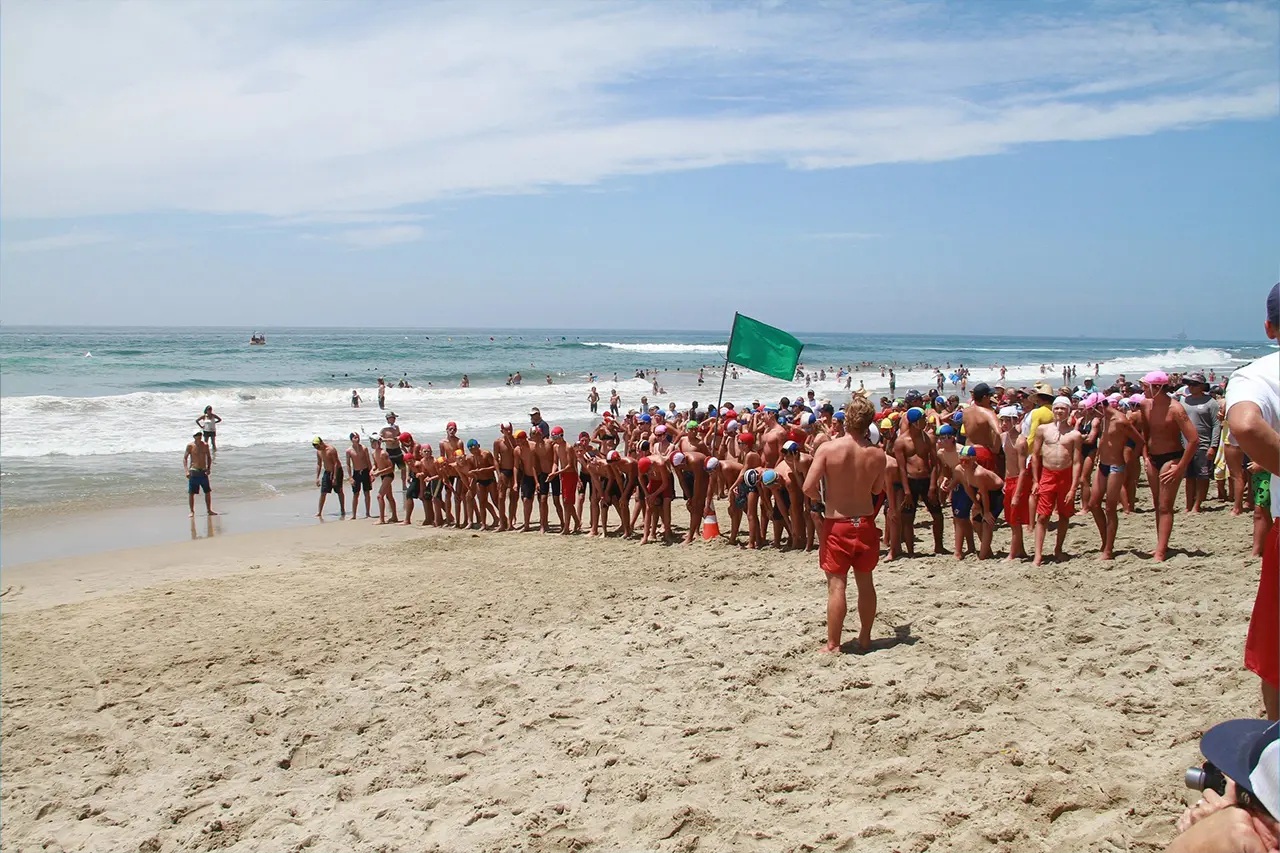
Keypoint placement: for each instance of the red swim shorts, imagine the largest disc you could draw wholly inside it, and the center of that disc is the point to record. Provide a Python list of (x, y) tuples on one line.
[(1018, 513), (1055, 493), (848, 543), (568, 482), (1262, 646)]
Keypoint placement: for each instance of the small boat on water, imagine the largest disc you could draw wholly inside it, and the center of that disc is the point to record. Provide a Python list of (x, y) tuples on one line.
[(258, 339), (1181, 336)]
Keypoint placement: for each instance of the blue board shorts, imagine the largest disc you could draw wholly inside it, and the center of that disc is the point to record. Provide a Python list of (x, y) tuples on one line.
[(196, 481)]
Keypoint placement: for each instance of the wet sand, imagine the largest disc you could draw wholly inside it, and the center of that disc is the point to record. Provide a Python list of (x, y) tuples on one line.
[(353, 687)]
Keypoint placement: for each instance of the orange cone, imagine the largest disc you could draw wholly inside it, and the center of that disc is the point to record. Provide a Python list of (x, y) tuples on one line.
[(710, 527)]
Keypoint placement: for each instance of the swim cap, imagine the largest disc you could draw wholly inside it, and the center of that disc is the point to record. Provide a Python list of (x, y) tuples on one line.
[(914, 414), (354, 435), (752, 478), (1156, 377), (557, 430), (873, 434), (644, 446), (583, 435), (967, 451), (457, 452), (941, 403), (520, 434), (746, 437), (406, 437), (613, 456), (678, 459), (691, 425), (440, 460), (783, 419), (731, 426), (1136, 399), (642, 464), (505, 425), (886, 424), (1062, 402), (317, 441), (425, 448), (769, 477), (1012, 411), (946, 430), (473, 443), (712, 463), (809, 419), (839, 416), (451, 425), (771, 407), (645, 418), (790, 447), (660, 429), (957, 416)]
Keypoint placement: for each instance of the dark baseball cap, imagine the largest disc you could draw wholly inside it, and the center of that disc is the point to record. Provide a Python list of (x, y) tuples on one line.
[(1273, 305), (982, 389), (1247, 752)]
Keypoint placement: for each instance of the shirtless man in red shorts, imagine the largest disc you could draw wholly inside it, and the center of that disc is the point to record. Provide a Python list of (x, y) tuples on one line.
[(1017, 485), (849, 473), (1172, 442), (1056, 459)]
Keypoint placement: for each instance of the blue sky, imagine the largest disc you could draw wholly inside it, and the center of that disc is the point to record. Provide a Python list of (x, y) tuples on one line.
[(1060, 168)]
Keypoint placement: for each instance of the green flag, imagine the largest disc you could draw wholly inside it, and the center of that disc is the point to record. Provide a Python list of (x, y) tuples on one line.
[(764, 349)]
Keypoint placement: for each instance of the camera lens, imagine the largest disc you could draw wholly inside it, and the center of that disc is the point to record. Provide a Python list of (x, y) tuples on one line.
[(1195, 777)]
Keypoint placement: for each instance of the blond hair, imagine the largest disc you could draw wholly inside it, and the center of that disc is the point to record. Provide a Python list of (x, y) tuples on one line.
[(858, 415)]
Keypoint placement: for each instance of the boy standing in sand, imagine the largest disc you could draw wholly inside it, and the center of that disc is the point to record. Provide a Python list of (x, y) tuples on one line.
[(1017, 488), (1056, 460), (384, 472), (1171, 445), (850, 473), (1115, 432), (197, 462), (358, 466)]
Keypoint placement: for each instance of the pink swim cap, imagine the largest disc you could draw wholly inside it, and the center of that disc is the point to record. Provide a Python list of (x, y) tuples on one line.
[(1137, 399), (1156, 377)]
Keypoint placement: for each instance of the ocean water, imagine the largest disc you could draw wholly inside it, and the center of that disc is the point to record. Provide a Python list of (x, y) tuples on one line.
[(92, 417)]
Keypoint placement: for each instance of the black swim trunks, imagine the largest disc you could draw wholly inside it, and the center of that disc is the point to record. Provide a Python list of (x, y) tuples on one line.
[(360, 480), (686, 484), (329, 482), (920, 494), (414, 489), (1159, 460), (543, 486), (528, 486)]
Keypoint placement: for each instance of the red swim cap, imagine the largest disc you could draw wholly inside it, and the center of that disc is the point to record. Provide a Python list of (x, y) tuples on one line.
[(555, 430), (746, 438), (643, 464), (405, 438)]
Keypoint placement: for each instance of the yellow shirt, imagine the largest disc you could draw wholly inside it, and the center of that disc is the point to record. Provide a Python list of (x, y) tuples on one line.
[(1039, 415)]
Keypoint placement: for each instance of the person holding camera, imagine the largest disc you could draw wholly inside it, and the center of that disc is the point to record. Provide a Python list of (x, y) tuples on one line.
[(1241, 784)]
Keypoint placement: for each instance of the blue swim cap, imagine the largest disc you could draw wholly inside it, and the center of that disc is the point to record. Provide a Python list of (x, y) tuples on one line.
[(946, 429), (473, 443), (940, 402), (957, 416), (645, 418), (839, 416), (771, 407), (809, 419), (783, 419), (914, 414), (769, 477)]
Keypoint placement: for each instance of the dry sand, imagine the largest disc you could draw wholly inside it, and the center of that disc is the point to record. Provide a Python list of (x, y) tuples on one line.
[(348, 687)]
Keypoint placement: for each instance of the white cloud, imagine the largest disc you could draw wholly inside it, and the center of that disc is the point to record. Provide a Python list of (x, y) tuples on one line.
[(300, 110), (55, 242), (373, 238)]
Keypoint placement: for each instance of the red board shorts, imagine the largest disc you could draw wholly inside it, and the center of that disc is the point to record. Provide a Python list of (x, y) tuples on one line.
[(1055, 493), (1016, 513), (568, 483), (848, 543), (1262, 646)]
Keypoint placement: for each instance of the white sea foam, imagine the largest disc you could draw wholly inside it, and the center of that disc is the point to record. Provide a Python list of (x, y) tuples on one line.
[(658, 348), (255, 416)]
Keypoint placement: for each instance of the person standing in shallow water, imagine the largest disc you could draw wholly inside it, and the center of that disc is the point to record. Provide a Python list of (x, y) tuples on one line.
[(198, 462), (208, 423)]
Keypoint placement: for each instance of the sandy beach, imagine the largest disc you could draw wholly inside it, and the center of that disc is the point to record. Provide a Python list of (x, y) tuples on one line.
[(344, 686)]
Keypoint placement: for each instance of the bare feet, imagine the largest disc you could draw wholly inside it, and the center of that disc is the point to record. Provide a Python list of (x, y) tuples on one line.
[(211, 512), (191, 515), (828, 649)]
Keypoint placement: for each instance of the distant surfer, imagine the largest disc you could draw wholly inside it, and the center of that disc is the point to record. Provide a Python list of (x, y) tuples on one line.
[(198, 462), (208, 423)]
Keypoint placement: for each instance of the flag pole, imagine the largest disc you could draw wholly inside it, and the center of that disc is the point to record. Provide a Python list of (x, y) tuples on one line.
[(728, 349)]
